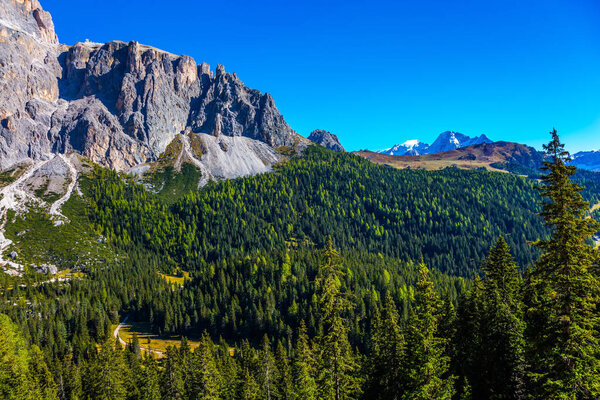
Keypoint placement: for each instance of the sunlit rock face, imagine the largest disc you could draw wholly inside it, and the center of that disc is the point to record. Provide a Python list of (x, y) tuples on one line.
[(326, 139), (118, 104)]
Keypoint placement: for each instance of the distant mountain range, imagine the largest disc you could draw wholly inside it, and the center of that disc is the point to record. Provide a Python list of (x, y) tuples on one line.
[(589, 160), (450, 140), (446, 141), (505, 156)]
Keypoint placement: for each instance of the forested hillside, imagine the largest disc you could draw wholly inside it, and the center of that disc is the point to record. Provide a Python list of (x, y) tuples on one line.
[(331, 278), (448, 217)]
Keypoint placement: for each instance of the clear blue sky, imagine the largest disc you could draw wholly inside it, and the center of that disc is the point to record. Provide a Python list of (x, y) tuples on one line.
[(380, 72)]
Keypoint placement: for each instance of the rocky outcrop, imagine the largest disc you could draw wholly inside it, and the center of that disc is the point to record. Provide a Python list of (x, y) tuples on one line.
[(118, 104), (326, 139)]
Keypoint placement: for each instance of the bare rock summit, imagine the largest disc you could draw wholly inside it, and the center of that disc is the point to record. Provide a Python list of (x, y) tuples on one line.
[(118, 104), (326, 139)]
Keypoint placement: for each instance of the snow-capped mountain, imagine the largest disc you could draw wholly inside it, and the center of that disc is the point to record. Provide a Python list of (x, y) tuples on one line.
[(446, 141), (410, 147), (450, 140), (587, 160)]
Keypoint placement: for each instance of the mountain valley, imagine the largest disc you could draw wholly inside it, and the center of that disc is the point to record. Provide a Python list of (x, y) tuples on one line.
[(166, 234)]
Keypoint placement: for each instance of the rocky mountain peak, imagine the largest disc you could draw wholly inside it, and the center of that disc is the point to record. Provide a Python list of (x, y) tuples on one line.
[(119, 104), (326, 139), (446, 141)]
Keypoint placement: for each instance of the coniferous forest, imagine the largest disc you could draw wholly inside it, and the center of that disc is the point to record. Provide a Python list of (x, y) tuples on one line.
[(329, 278)]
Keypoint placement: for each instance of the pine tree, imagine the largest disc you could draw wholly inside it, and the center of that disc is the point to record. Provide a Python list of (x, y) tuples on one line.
[(67, 378), (104, 376), (563, 313), (42, 377), (502, 328), (283, 379), (249, 367), (172, 382), (427, 365), (339, 370), (468, 355), (385, 380), (267, 369), (150, 382), (304, 370), (17, 382), (249, 389), (205, 378)]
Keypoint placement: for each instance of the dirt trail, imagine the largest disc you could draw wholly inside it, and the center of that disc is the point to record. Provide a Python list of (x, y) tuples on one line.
[(116, 335)]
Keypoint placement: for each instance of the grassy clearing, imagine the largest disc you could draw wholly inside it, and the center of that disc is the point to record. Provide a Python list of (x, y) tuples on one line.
[(149, 340), (68, 273), (433, 165), (176, 280)]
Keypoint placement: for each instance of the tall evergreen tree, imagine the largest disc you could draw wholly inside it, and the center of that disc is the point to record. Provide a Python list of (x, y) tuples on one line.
[(304, 364), (338, 367), (205, 377), (283, 379), (502, 328), (150, 382), (426, 362), (385, 380), (563, 314), (468, 355), (104, 378), (17, 382), (67, 378), (267, 369), (172, 379), (42, 377)]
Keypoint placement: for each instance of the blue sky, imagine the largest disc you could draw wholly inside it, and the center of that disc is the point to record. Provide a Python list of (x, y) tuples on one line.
[(380, 72)]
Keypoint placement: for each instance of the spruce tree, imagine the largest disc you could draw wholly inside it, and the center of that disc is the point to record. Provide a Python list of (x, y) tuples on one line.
[(426, 363), (339, 377), (468, 354), (502, 328), (150, 383), (42, 377), (205, 378), (283, 378), (249, 368), (17, 382), (385, 380), (563, 311), (267, 369), (172, 379), (104, 378), (304, 367)]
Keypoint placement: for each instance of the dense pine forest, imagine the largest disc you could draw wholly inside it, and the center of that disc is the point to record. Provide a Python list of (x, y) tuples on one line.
[(330, 278)]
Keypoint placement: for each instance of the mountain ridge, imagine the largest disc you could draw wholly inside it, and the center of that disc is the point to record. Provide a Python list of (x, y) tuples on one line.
[(446, 141), (589, 160), (118, 104)]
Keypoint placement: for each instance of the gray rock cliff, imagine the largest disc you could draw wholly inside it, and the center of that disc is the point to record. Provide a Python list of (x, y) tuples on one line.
[(326, 139), (118, 104)]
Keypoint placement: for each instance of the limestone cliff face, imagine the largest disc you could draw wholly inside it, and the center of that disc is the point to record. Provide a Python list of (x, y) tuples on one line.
[(119, 104)]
